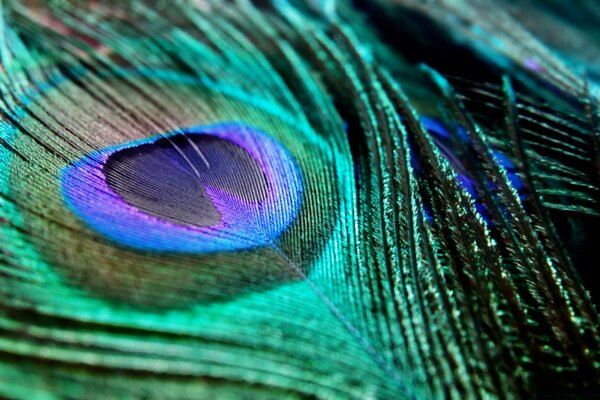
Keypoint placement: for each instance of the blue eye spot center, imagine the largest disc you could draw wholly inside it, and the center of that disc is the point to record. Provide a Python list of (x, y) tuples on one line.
[(168, 177)]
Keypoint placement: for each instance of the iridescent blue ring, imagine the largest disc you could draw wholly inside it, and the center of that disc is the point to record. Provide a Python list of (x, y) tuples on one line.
[(243, 225)]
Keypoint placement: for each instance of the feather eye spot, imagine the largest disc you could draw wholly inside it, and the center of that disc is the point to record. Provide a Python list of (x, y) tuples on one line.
[(199, 190)]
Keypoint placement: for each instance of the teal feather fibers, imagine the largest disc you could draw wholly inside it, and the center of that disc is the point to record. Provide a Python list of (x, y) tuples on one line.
[(427, 243)]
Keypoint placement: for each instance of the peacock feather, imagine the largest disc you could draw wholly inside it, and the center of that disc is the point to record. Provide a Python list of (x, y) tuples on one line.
[(279, 199)]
